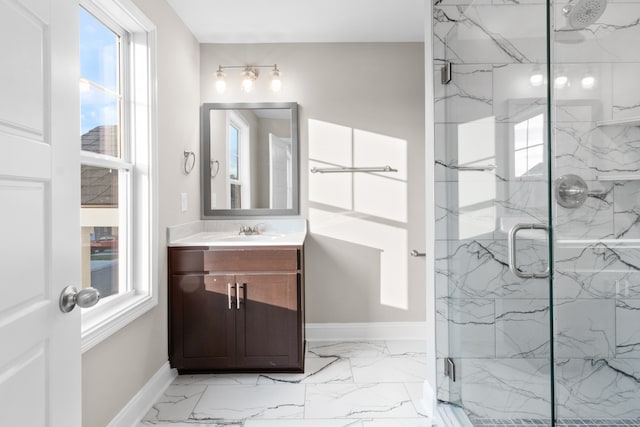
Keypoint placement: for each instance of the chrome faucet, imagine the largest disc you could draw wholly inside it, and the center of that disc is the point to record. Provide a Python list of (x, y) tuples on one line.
[(246, 230)]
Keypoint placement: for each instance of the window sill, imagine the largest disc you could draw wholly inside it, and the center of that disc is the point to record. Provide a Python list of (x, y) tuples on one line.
[(106, 319)]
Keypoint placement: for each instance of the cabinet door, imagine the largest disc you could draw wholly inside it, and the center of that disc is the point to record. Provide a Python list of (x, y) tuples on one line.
[(269, 328), (202, 322)]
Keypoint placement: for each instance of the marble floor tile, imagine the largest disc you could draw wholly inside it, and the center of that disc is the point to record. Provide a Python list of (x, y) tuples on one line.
[(386, 391), (347, 349), (317, 370), (186, 424), (238, 402), (220, 379), (398, 422), (416, 392), (176, 403), (358, 401), (304, 423), (407, 348), (389, 369)]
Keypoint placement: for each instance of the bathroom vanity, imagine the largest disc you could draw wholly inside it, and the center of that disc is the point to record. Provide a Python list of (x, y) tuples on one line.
[(236, 302)]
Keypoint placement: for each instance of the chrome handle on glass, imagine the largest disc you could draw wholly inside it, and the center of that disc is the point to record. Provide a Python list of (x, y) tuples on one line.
[(70, 297), (238, 287), (229, 294), (513, 266), (415, 253)]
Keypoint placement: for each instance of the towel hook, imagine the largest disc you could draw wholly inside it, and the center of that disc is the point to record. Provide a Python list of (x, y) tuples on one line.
[(217, 163), (188, 166)]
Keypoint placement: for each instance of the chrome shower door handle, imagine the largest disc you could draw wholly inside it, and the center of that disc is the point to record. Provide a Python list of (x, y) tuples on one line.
[(513, 251)]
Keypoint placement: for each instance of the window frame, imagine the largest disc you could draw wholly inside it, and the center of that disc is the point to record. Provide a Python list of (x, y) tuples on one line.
[(139, 158)]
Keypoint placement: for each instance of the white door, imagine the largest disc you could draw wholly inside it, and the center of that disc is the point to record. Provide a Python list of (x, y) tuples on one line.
[(39, 213), (280, 183)]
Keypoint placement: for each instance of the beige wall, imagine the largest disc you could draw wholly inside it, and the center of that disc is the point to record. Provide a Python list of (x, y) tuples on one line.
[(116, 369), (364, 101)]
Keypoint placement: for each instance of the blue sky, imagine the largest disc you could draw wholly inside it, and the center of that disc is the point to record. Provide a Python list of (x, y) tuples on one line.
[(99, 64)]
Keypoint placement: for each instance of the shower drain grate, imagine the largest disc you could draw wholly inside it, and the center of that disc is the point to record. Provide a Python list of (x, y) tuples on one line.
[(566, 422)]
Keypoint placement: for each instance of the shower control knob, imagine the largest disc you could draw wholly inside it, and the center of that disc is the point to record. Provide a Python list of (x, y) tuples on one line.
[(70, 297), (571, 191)]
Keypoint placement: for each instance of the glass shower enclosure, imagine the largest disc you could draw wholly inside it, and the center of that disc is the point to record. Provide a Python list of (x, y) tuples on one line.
[(537, 148)]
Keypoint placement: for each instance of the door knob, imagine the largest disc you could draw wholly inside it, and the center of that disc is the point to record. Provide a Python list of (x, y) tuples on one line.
[(415, 253), (70, 297)]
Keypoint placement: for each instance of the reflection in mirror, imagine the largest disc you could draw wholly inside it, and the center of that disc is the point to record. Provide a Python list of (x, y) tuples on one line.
[(249, 159)]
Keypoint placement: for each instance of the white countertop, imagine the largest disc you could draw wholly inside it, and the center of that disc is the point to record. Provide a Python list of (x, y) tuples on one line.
[(278, 232), (227, 239)]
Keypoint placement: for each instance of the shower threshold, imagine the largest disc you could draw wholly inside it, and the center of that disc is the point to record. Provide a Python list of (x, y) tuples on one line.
[(565, 422), (452, 415)]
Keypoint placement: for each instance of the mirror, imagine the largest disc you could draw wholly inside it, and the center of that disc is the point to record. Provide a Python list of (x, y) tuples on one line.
[(249, 159)]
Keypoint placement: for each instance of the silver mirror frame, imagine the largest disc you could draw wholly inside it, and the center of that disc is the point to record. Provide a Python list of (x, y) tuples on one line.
[(205, 150)]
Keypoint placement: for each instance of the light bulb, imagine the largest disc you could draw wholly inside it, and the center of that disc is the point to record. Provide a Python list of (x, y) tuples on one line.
[(221, 86), (221, 83), (248, 76), (247, 84), (561, 81), (276, 83), (588, 82), (536, 79)]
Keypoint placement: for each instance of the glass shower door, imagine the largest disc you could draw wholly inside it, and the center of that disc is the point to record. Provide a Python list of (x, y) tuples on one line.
[(492, 174), (596, 157), (518, 150)]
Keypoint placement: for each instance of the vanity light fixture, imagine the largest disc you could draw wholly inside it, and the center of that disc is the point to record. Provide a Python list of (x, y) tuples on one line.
[(249, 75), (276, 83), (221, 82)]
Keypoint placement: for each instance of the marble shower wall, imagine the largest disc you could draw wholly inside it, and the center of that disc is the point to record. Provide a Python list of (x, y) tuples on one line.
[(494, 325)]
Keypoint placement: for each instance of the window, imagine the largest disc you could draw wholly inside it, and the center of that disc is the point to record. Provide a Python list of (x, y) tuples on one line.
[(104, 160), (528, 147), (116, 171)]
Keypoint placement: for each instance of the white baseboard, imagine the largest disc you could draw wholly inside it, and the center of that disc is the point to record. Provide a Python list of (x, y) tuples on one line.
[(140, 404), (366, 331)]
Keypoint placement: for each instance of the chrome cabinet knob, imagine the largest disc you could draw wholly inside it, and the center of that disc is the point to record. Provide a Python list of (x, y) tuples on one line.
[(70, 297)]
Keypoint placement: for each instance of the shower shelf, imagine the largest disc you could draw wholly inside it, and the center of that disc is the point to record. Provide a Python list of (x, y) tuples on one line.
[(629, 121), (627, 177)]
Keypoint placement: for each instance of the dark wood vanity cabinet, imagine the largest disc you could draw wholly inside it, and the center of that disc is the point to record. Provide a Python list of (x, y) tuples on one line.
[(236, 309)]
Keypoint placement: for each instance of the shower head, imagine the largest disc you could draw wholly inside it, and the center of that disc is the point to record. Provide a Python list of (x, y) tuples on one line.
[(584, 12)]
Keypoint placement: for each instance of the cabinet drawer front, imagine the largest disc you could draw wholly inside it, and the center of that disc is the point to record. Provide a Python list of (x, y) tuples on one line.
[(234, 260), (269, 259), (186, 260)]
